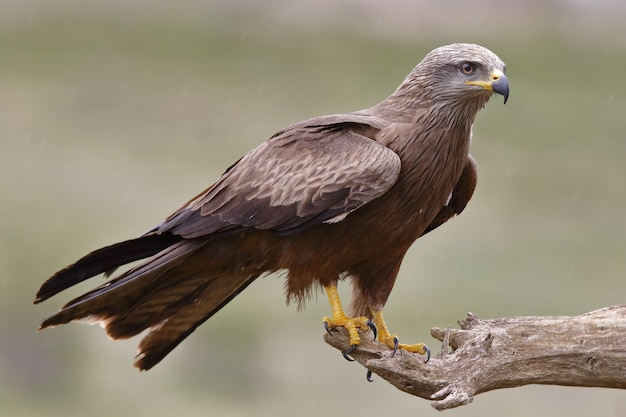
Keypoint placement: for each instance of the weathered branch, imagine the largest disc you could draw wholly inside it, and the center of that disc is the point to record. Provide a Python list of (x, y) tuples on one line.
[(587, 350)]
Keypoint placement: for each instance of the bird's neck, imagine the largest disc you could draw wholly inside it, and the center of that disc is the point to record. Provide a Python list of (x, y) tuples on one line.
[(413, 101), (432, 137), (427, 115)]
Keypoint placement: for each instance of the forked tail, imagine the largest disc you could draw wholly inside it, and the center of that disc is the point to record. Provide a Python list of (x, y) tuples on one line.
[(170, 294)]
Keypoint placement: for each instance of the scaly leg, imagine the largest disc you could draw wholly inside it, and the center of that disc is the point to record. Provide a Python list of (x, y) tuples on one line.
[(339, 319), (391, 340)]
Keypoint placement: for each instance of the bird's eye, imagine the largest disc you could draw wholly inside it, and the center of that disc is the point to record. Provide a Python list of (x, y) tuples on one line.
[(467, 68)]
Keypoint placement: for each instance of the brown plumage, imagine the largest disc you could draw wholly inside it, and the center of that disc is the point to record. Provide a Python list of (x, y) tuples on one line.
[(326, 198)]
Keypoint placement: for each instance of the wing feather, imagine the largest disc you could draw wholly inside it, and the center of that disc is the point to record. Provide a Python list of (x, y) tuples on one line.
[(312, 172), (461, 195)]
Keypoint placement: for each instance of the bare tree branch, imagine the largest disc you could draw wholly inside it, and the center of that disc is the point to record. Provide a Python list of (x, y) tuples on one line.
[(587, 350)]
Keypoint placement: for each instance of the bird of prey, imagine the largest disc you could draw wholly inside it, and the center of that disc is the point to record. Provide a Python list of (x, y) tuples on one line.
[(324, 199)]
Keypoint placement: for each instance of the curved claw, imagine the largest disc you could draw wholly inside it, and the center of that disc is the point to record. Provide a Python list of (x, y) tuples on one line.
[(368, 376), (427, 353), (327, 327), (346, 353), (396, 343), (372, 326)]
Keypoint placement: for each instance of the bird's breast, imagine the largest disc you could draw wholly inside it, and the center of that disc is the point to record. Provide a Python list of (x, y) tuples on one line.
[(383, 229), (431, 168)]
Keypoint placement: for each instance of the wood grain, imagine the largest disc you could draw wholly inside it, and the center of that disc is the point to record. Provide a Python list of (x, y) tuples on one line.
[(588, 350)]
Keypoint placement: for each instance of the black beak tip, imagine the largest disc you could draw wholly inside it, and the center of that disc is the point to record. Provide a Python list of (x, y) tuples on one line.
[(501, 86)]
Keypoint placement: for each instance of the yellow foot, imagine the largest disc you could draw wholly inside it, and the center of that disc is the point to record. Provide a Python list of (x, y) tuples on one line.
[(391, 340), (351, 324)]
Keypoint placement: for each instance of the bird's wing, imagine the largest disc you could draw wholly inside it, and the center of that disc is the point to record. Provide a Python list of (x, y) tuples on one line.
[(461, 195), (312, 172)]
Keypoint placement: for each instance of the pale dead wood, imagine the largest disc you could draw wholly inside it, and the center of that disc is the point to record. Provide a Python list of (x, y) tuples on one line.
[(587, 350)]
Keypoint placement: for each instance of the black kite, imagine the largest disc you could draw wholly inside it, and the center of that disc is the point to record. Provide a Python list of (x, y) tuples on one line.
[(327, 198)]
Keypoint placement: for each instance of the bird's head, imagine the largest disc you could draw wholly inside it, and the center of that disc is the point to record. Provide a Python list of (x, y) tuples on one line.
[(461, 75)]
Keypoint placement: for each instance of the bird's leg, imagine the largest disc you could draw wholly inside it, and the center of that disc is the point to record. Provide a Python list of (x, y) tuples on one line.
[(391, 340), (339, 319)]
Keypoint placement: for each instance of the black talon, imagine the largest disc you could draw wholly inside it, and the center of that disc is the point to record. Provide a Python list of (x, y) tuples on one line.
[(327, 327), (372, 326), (368, 376), (395, 346), (427, 353), (346, 353)]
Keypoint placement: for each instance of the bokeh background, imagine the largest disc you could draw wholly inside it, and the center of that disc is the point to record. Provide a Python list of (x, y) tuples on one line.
[(113, 113)]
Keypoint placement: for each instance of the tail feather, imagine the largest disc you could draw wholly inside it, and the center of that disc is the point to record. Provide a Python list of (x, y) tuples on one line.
[(120, 295), (168, 294), (105, 260), (163, 338), (157, 305)]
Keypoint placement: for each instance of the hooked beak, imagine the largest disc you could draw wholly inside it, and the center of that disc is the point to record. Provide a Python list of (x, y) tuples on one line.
[(498, 83)]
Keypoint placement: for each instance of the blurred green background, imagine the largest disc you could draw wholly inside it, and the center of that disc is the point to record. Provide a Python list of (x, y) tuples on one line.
[(113, 113)]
